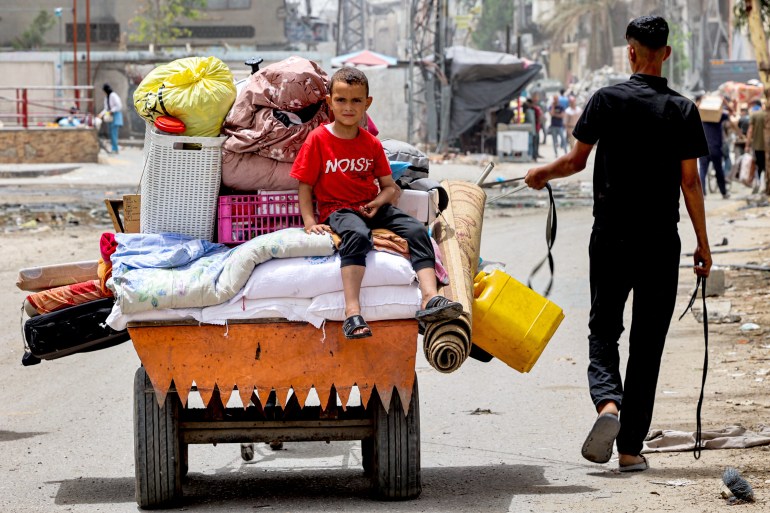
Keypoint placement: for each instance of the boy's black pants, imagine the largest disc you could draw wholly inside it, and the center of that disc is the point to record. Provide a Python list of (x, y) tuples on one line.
[(356, 234), (648, 264)]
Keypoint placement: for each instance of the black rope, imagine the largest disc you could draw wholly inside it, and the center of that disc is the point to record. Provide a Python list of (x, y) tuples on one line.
[(160, 99), (700, 284), (550, 238)]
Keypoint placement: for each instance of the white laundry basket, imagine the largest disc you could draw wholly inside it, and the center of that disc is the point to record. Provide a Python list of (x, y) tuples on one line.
[(180, 184)]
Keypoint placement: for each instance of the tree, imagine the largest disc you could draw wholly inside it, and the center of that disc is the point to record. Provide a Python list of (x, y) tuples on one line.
[(157, 21), (490, 29), (33, 36), (567, 20), (742, 18)]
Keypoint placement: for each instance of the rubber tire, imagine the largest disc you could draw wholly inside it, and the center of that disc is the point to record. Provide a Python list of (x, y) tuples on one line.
[(396, 461), (157, 449)]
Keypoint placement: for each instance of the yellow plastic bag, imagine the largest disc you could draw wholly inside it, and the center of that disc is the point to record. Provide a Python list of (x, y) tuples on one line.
[(197, 90)]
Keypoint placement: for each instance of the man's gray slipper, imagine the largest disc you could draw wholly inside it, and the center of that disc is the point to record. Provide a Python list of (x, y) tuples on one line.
[(635, 467), (598, 444)]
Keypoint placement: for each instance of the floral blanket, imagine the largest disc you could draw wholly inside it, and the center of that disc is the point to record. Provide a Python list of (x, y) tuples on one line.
[(153, 271)]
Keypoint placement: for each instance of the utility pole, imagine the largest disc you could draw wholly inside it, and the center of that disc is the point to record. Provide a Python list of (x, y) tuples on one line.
[(759, 42), (351, 26)]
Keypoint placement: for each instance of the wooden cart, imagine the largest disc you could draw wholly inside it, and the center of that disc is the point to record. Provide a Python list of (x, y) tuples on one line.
[(270, 363)]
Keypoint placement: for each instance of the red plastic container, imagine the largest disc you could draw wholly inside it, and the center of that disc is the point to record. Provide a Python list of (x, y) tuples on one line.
[(241, 218), (169, 125)]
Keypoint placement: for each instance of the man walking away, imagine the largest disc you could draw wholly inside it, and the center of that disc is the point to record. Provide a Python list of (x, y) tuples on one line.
[(715, 137), (643, 130)]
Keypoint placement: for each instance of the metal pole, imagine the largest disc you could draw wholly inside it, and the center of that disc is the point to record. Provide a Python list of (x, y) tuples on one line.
[(88, 52), (485, 173), (24, 109), (75, 50)]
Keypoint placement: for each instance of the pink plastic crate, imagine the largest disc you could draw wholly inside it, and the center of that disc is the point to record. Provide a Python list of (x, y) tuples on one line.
[(241, 218)]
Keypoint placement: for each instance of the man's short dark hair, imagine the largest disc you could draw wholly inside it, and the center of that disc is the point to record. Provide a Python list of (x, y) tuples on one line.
[(351, 76), (649, 31)]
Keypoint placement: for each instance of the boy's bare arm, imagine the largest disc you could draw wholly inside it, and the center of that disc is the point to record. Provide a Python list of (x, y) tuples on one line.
[(388, 191), (306, 209)]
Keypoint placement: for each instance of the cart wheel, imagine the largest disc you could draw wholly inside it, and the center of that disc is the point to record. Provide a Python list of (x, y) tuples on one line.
[(396, 449), (157, 449), (367, 455), (247, 452)]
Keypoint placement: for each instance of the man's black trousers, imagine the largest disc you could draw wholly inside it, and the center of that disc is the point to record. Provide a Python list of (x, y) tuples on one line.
[(622, 261)]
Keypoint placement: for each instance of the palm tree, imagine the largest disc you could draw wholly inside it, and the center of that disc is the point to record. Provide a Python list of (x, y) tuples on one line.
[(567, 18)]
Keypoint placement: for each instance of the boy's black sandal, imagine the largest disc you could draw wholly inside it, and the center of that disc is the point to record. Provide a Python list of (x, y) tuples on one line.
[(439, 308), (353, 323)]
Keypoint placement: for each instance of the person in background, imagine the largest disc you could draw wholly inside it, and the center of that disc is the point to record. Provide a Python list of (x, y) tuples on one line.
[(71, 120), (112, 114), (571, 116), (539, 120), (729, 129), (635, 243), (345, 168), (557, 126), (530, 117), (543, 109), (715, 137), (743, 127)]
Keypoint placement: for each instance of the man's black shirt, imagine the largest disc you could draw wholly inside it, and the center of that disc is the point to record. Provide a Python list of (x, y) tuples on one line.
[(644, 130)]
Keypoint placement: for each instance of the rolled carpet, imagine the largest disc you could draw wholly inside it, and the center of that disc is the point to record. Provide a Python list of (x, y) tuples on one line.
[(447, 344)]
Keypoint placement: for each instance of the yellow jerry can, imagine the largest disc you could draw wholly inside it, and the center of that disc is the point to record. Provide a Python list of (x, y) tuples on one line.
[(511, 321)]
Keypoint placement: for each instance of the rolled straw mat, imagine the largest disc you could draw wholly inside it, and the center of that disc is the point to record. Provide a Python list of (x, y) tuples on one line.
[(447, 344)]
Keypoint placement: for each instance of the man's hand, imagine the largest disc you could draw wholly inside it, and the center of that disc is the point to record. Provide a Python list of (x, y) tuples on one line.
[(536, 178), (319, 229), (702, 258)]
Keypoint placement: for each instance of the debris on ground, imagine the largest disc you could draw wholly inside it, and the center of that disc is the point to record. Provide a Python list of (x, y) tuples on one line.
[(739, 488)]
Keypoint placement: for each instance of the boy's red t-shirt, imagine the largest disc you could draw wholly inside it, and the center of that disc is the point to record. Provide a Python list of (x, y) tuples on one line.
[(343, 172)]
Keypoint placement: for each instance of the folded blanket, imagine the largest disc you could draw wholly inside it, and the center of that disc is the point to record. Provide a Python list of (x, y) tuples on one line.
[(57, 298), (377, 304), (308, 277), (152, 271)]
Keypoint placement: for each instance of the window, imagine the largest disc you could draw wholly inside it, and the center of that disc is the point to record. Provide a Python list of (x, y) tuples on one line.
[(220, 32), (222, 5), (100, 32)]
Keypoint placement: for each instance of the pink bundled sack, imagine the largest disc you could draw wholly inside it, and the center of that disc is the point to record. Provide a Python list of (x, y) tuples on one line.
[(271, 118)]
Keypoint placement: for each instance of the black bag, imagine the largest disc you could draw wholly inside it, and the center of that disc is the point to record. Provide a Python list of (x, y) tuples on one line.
[(76, 329)]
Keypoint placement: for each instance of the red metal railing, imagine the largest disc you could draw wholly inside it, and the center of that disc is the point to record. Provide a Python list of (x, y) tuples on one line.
[(43, 106)]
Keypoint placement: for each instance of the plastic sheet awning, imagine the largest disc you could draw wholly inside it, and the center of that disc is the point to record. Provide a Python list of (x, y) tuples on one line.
[(481, 81)]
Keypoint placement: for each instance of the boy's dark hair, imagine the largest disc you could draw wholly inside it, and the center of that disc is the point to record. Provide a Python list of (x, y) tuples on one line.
[(351, 76), (649, 31)]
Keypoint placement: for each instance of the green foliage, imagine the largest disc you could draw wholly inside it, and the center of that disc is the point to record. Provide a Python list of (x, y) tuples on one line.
[(678, 63), (741, 17), (156, 21), (33, 37), (489, 33)]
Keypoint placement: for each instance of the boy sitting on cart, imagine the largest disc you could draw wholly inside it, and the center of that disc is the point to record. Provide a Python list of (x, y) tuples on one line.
[(346, 169)]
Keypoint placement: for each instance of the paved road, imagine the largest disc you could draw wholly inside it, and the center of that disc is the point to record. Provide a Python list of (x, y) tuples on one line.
[(66, 426)]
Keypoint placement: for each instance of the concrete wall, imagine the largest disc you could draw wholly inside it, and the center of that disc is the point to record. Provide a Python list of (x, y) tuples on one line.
[(265, 17), (389, 107), (48, 145)]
